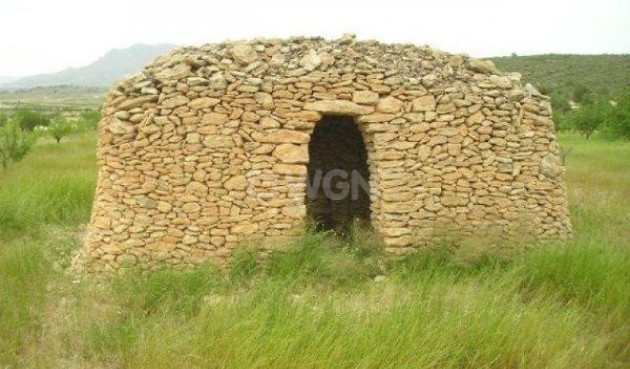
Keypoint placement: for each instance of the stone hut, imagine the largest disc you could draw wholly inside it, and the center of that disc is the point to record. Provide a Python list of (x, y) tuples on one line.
[(212, 146)]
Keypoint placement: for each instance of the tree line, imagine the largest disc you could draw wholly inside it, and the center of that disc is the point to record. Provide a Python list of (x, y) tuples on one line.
[(20, 130), (588, 112)]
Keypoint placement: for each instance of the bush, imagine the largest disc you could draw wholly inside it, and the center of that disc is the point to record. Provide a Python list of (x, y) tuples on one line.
[(559, 102), (588, 117), (14, 144), (580, 93), (617, 122), (90, 118), (28, 119), (60, 128)]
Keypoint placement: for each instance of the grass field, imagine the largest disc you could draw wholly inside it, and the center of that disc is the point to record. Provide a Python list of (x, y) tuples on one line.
[(316, 306)]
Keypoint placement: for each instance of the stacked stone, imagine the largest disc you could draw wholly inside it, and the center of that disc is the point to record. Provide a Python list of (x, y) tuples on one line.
[(208, 148)]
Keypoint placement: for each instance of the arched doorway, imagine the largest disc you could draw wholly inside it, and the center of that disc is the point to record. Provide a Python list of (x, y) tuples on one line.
[(338, 175)]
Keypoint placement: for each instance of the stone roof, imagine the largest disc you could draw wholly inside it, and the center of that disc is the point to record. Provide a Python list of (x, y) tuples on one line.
[(217, 65)]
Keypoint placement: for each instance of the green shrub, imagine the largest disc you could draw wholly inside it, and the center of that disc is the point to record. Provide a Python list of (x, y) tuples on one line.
[(60, 128), (617, 122), (588, 118), (14, 144), (90, 118), (28, 119)]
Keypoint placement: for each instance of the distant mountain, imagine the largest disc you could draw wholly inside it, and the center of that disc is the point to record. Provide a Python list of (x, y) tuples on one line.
[(103, 72), (564, 73), (7, 79)]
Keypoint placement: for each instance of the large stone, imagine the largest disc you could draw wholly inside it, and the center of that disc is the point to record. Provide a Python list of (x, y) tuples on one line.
[(214, 119), (178, 71), (424, 152), (290, 170), (283, 136), (204, 102), (218, 141), (550, 166), (424, 103), (243, 54), (446, 108), (365, 97), (339, 107), (376, 118), (120, 127), (503, 82), (289, 153), (482, 66), (236, 183), (389, 105), (136, 102), (296, 212), (475, 118), (310, 61), (429, 80), (191, 207), (264, 99), (246, 228), (174, 102)]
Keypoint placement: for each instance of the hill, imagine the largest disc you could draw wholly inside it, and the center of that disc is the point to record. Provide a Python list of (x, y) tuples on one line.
[(7, 79), (54, 96), (103, 72), (563, 73)]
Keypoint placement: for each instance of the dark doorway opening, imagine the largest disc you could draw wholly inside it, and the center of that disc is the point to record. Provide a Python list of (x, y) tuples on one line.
[(338, 175)]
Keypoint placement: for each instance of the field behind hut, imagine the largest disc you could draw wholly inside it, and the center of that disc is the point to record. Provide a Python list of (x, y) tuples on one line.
[(327, 303)]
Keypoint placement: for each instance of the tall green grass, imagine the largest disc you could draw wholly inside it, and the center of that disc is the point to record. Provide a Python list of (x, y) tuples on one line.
[(327, 302)]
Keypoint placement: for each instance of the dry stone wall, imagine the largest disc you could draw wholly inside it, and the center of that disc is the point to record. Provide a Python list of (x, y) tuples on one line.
[(209, 147)]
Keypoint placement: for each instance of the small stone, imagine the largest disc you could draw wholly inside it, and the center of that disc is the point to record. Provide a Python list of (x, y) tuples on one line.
[(423, 103), (164, 206), (380, 279)]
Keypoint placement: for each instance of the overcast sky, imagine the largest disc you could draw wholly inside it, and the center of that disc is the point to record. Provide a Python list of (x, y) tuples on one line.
[(38, 36)]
